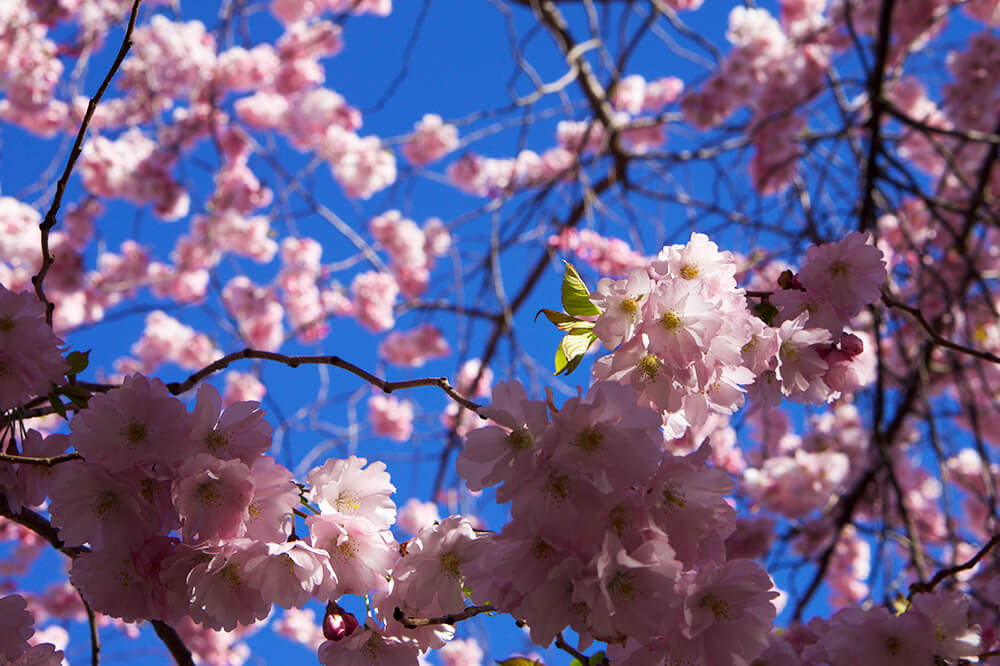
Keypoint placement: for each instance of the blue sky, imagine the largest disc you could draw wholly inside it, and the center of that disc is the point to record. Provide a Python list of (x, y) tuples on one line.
[(460, 65)]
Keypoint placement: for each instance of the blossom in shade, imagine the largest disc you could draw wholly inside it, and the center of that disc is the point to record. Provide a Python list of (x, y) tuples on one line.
[(429, 577), (139, 423), (849, 273), (368, 648), (15, 626), (240, 431), (212, 496), (503, 452), (30, 358), (221, 596)]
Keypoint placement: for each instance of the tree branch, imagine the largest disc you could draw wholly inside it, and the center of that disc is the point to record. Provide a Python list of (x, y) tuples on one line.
[(74, 154), (452, 619)]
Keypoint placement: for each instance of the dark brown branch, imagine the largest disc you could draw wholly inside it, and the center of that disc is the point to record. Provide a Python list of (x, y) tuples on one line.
[(941, 575), (47, 462), (442, 383), (74, 154), (95, 639), (934, 336), (866, 218), (452, 618)]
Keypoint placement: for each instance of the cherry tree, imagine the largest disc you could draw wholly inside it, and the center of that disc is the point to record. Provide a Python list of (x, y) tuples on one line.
[(690, 333)]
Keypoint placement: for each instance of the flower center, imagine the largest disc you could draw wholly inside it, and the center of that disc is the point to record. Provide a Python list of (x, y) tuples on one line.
[(105, 503), (208, 495), (671, 321), (689, 271), (589, 439), (630, 307), (839, 268), (649, 367), (348, 502), (450, 563), (6, 324), (719, 608), (519, 439), (216, 440), (134, 432)]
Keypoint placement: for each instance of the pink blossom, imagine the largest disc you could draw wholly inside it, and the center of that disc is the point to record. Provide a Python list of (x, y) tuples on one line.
[(257, 311), (238, 68), (221, 597), (850, 273), (429, 577), (361, 165), (275, 495), (415, 515), (240, 431), (352, 487), (502, 452), (90, 506), (432, 140), (242, 387), (30, 358), (413, 348), (15, 626), (800, 367), (391, 417), (212, 496), (139, 423), (367, 648), (474, 379), (461, 652), (360, 553), (726, 614), (300, 626), (620, 304), (288, 574), (374, 295)]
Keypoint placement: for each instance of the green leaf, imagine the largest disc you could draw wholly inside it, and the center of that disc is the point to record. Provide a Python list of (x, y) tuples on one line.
[(563, 321), (519, 661), (765, 312), (57, 405), (572, 349), (576, 296), (593, 661), (78, 362), (76, 394)]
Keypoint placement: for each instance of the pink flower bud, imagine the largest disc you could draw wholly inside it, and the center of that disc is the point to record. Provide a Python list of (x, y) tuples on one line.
[(338, 623), (851, 344)]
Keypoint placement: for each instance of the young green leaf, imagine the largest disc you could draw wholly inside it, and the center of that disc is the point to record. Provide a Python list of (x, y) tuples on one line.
[(572, 349), (78, 362), (57, 404), (562, 321), (576, 296), (519, 661)]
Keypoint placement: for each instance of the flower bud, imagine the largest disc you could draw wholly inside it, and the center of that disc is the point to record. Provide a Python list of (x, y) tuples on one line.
[(338, 623)]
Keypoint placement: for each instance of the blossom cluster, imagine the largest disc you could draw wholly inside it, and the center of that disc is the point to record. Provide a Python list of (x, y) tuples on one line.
[(611, 534)]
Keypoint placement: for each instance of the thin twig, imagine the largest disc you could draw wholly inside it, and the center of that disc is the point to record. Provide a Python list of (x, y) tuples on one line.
[(46, 462), (936, 337), (95, 639), (442, 383), (451, 618), (958, 568), (74, 154)]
